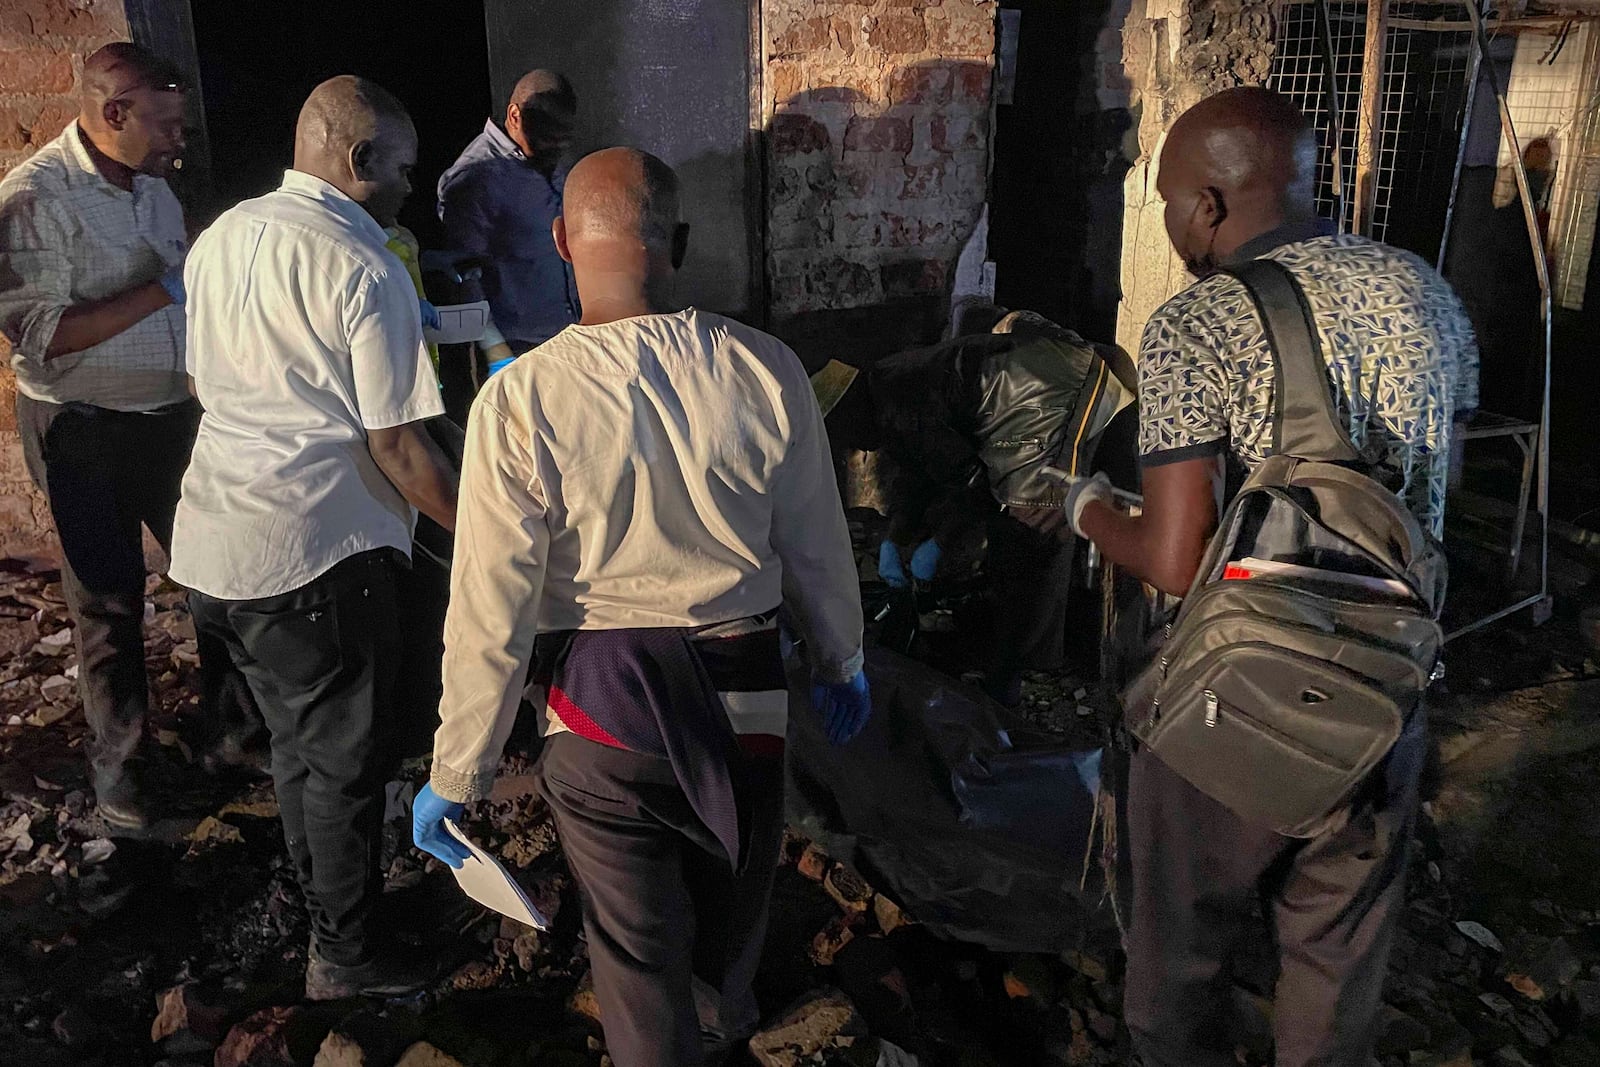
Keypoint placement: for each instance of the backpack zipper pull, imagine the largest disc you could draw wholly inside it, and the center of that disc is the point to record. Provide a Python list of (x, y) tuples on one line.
[(1213, 708)]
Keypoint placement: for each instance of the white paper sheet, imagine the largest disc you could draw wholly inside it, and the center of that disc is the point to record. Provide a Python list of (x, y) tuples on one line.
[(459, 323), (483, 879)]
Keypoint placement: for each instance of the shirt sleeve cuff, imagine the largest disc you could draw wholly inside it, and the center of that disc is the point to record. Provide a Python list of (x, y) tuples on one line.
[(39, 331), (1200, 450), (426, 408), (459, 787)]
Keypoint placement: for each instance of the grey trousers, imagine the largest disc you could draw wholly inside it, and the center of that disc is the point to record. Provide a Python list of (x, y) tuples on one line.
[(674, 935), (1202, 877)]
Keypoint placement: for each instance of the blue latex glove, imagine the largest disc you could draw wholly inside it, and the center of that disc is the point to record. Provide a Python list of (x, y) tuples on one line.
[(1081, 492), (172, 282), (430, 315), (925, 561), (845, 707), (889, 568), (500, 364), (428, 813)]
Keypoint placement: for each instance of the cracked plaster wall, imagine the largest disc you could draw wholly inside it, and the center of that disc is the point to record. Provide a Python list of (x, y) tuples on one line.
[(1176, 52)]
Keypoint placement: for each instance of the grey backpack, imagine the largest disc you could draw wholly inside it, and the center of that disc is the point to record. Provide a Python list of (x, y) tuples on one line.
[(1311, 630)]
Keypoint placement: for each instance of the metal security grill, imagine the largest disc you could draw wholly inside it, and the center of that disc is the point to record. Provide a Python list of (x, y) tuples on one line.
[(1421, 107)]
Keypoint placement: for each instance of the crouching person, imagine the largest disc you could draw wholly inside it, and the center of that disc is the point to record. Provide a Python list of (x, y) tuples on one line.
[(644, 495)]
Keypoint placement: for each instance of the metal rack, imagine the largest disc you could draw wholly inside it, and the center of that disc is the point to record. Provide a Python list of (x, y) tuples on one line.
[(1354, 67)]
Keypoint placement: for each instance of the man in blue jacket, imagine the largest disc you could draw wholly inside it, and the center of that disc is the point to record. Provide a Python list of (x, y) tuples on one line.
[(499, 199)]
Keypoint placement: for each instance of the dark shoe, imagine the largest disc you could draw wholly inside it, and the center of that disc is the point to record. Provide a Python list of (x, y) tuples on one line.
[(119, 804), (386, 974)]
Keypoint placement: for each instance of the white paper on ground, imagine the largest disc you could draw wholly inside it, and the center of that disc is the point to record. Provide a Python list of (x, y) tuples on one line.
[(459, 323), (483, 879)]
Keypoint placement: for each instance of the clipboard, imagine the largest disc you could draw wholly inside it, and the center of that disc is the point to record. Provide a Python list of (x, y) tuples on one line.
[(483, 879)]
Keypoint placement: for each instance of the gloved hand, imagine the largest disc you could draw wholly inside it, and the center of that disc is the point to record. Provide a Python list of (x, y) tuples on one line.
[(845, 707), (428, 813), (889, 568), (172, 282), (1080, 492), (925, 561), (430, 315)]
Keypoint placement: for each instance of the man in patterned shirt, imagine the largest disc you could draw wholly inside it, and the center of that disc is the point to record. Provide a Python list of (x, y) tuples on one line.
[(1236, 173), (91, 281)]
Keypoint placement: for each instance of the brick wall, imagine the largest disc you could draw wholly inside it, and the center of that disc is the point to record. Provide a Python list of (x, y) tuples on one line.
[(42, 47), (878, 150)]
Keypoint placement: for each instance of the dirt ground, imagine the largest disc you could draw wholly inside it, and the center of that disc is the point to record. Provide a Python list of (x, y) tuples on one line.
[(188, 947)]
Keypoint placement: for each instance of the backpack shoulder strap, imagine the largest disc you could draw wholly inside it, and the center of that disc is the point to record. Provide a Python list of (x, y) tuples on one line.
[(1305, 422)]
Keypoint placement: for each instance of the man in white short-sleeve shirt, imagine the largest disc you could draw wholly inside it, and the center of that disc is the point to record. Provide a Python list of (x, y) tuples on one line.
[(305, 349)]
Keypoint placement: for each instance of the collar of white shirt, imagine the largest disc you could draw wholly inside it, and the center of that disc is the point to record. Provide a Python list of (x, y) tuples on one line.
[(314, 188)]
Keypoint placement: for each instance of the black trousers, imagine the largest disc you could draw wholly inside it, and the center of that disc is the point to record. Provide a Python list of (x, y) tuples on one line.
[(1202, 876), (106, 474), (674, 935), (322, 661)]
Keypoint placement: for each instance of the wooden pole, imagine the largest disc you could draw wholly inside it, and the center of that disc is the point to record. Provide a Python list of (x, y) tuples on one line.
[(1369, 129)]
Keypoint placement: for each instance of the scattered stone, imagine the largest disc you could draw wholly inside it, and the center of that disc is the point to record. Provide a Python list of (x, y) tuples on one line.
[(526, 949), (1029, 978), (14, 836), (55, 644), (57, 687), (274, 1037), (1557, 968), (423, 1054), (213, 831), (49, 714), (1481, 934), (814, 863), (888, 914), (1496, 1003), (583, 1001), (830, 939), (98, 850), (804, 1033), (475, 974), (182, 1009), (848, 889)]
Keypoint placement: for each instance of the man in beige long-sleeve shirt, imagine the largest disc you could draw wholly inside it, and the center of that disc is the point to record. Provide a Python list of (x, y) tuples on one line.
[(643, 491)]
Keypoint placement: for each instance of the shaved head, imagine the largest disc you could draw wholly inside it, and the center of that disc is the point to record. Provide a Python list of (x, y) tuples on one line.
[(132, 110), (622, 194), (621, 232), (1244, 159), (358, 137)]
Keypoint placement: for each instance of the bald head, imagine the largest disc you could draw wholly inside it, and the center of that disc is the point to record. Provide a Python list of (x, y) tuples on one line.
[(620, 230), (621, 194), (357, 136), (1236, 165), (132, 108)]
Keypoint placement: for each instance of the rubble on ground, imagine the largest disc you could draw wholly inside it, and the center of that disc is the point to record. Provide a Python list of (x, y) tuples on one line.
[(188, 947)]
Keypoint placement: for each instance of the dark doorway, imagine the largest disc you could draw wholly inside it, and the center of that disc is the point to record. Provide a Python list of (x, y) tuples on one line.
[(259, 61), (1060, 157)]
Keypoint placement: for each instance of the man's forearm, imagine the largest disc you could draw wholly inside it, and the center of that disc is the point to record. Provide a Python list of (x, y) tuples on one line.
[(421, 472), (86, 325), (1135, 544)]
